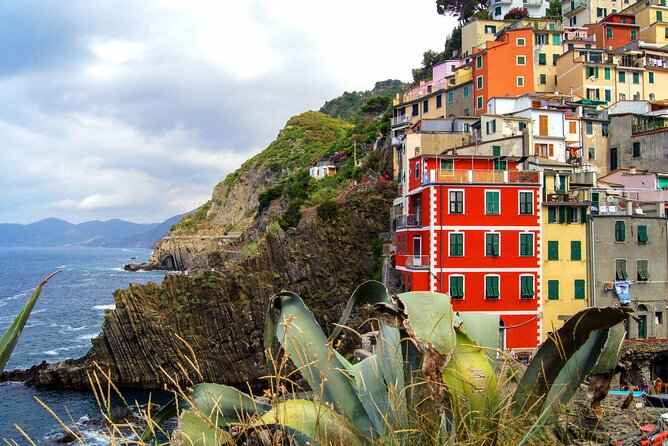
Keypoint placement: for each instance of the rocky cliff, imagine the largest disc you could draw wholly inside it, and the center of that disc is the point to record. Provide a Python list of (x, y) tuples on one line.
[(208, 326)]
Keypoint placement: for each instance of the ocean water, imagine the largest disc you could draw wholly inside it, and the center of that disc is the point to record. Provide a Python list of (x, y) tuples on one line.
[(68, 314)]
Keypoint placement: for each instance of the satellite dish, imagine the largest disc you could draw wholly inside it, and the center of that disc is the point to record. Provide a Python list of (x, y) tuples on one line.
[(610, 199)]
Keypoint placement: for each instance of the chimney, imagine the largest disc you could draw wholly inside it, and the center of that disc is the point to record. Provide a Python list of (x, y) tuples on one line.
[(632, 170), (629, 207)]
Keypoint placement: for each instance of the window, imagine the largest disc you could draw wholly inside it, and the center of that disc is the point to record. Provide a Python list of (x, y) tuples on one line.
[(451, 97), (425, 106), (620, 269), (651, 74), (522, 126), (490, 29), (491, 287), (490, 126), (579, 289), (497, 11), (607, 95), (415, 110), (556, 39), (521, 60), (606, 73), (572, 127), (492, 202), (479, 82), (456, 287), (659, 16), (642, 267), (466, 111), (666, 32), (541, 39), (499, 164), (608, 33), (553, 250), (526, 244), (576, 250), (520, 81), (526, 203), (526, 287), (636, 77), (456, 202), (521, 41), (439, 100), (542, 59), (589, 128), (417, 170), (622, 76), (466, 91), (591, 153), (554, 59), (634, 34), (601, 12), (542, 125), (478, 62), (542, 79), (447, 166), (492, 244), (456, 244), (478, 102), (636, 149), (551, 215), (620, 231), (553, 290), (642, 234)]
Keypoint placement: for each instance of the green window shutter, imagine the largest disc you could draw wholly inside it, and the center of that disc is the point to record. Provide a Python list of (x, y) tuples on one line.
[(579, 289), (556, 39), (562, 215), (551, 215), (526, 203), (620, 269), (456, 287), (553, 250), (456, 244), (651, 76), (542, 58), (642, 234), (553, 290), (636, 149), (576, 250), (554, 59), (492, 287), (492, 202), (526, 287), (526, 244), (583, 215), (492, 244), (620, 231), (642, 267), (606, 73)]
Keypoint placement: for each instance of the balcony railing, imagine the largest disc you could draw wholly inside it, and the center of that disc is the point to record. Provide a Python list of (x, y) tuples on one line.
[(573, 6), (417, 262), (407, 221), (482, 176), (399, 120)]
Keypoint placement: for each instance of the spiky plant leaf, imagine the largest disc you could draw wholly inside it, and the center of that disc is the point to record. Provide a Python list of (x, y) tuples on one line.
[(482, 328), (223, 405), (373, 393), (559, 348), (471, 384), (316, 421), (609, 357), (430, 320), (194, 430), (368, 293), (308, 348), (11, 336)]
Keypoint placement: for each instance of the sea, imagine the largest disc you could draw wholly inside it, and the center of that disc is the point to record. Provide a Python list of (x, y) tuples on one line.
[(68, 314)]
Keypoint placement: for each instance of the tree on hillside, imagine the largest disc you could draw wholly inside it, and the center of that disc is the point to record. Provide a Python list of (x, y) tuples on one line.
[(554, 11), (429, 59), (462, 9), (453, 43), (516, 14)]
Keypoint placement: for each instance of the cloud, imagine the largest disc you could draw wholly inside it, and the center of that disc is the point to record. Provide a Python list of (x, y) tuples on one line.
[(119, 109)]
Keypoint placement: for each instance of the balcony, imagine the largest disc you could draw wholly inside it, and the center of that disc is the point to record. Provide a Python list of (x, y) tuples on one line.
[(400, 120), (573, 7), (407, 221), (417, 262), (565, 198), (482, 177)]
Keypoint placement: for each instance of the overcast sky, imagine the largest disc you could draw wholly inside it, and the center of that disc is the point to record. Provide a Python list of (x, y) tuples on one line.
[(136, 109)]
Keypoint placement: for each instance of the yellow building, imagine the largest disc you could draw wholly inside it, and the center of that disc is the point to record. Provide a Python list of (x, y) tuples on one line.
[(582, 12), (652, 16), (480, 31), (563, 248)]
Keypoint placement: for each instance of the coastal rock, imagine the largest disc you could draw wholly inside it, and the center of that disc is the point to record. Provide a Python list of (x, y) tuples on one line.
[(209, 326)]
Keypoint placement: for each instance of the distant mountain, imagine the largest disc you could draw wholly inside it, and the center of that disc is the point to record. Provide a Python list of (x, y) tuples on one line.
[(114, 233)]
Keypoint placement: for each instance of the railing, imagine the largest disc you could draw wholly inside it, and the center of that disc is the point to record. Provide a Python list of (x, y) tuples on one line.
[(482, 176), (423, 90), (533, 2), (417, 262), (407, 221), (398, 120), (566, 9)]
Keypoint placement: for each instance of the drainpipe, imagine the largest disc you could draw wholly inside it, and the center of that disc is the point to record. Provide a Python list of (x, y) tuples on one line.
[(591, 269)]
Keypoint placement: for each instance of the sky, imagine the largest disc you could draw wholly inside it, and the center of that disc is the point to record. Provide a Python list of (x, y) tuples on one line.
[(137, 109)]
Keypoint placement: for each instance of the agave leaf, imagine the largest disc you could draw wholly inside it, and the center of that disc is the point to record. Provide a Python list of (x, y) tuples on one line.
[(372, 392), (194, 430), (482, 328), (368, 293), (471, 383), (609, 357), (308, 348), (223, 405), (11, 336), (430, 320), (316, 421), (555, 353), (166, 412)]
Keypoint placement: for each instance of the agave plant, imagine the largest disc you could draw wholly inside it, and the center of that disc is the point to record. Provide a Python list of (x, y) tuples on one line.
[(11, 336), (428, 364)]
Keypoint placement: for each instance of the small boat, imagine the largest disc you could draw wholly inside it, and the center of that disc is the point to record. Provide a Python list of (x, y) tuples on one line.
[(660, 400), (636, 393), (647, 435)]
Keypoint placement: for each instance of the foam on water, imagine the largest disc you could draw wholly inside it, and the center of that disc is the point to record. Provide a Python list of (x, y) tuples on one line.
[(104, 307)]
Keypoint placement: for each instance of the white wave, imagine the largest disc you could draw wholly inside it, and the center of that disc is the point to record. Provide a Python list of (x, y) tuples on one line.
[(66, 328), (104, 307), (86, 337)]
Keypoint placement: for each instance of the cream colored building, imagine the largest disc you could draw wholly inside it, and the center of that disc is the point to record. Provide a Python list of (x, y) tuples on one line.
[(652, 16), (582, 12), (478, 32)]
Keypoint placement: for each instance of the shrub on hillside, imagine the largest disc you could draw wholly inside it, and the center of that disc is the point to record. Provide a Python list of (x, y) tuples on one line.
[(328, 210)]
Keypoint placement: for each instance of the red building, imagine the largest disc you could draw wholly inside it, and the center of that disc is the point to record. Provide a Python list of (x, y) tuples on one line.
[(614, 31), (473, 230)]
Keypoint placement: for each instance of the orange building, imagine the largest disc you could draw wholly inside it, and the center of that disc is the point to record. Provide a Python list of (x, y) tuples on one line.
[(504, 67), (614, 31)]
